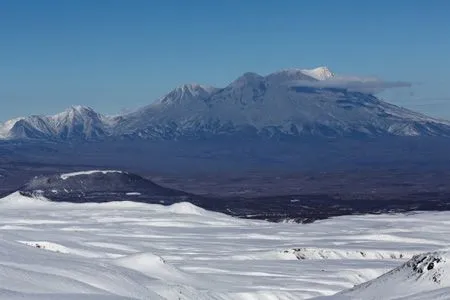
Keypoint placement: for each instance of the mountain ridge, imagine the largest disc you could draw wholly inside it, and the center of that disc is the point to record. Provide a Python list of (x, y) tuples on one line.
[(283, 103)]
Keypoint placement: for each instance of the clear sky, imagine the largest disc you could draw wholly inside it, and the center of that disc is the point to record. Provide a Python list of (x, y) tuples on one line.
[(112, 55)]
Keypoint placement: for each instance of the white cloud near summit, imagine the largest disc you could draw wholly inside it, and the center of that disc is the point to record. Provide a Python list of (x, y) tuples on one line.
[(368, 85)]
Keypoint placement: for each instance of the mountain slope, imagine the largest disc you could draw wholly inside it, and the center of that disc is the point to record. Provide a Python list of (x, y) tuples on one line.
[(177, 104), (285, 103)]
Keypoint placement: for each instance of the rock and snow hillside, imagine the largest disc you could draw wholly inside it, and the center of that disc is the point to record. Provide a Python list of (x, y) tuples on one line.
[(285, 103), (101, 186), (127, 250), (425, 276)]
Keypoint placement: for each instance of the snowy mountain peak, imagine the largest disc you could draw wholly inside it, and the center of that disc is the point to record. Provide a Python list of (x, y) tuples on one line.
[(76, 111), (79, 109), (320, 73), (187, 92), (287, 76), (194, 87), (76, 114), (248, 78)]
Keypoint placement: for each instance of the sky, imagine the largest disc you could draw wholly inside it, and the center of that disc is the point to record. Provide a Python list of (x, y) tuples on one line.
[(116, 55)]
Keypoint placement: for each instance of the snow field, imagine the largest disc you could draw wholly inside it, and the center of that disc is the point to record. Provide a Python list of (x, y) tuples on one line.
[(126, 250)]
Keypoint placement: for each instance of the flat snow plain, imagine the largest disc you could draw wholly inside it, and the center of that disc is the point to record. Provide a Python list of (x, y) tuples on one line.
[(125, 250)]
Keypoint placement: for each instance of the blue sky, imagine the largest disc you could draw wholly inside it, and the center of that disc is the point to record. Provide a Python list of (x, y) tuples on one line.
[(112, 55)]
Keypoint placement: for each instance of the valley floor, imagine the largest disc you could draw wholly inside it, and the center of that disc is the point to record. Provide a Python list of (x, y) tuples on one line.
[(125, 250)]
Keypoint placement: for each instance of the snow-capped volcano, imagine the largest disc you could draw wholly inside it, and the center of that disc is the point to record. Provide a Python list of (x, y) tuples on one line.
[(286, 102), (292, 102)]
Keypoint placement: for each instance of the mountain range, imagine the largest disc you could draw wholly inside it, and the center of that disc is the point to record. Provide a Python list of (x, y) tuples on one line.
[(285, 103)]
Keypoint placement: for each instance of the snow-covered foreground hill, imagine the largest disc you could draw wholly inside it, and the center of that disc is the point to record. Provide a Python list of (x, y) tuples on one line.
[(125, 250)]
